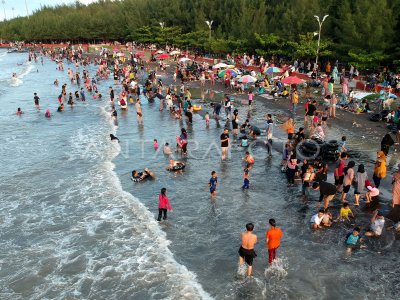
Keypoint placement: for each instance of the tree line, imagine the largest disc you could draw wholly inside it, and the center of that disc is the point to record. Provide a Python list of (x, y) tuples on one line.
[(361, 32)]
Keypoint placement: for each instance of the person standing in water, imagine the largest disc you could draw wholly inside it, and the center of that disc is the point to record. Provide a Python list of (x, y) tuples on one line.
[(139, 114), (273, 240), (246, 250), (224, 143), (163, 205), (36, 100), (213, 184)]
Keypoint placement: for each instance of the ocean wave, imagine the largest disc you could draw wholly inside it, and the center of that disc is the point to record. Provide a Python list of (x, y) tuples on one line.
[(150, 264)]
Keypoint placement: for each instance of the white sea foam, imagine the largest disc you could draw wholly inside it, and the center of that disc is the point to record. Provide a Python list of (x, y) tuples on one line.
[(150, 263)]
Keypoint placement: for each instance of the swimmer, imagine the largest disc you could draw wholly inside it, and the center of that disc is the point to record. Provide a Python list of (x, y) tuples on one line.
[(19, 111), (246, 250), (47, 113), (114, 138), (167, 149), (139, 176), (56, 82), (155, 144), (175, 165)]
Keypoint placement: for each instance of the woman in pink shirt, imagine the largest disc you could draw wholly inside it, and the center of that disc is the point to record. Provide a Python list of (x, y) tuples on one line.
[(163, 204)]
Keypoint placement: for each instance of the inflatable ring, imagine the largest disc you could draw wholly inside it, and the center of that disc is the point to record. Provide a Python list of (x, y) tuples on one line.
[(196, 107), (178, 167), (375, 117)]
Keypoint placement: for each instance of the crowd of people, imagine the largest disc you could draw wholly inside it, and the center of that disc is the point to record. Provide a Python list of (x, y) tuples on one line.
[(134, 77)]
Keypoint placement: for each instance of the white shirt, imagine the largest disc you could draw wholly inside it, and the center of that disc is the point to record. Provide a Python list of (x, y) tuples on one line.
[(315, 219), (377, 226)]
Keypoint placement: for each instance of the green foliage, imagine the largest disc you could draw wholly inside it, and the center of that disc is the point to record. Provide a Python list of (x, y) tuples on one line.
[(361, 31), (367, 60), (306, 46)]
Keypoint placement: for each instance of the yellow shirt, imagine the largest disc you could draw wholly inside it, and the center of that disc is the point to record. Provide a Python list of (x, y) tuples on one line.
[(344, 212)]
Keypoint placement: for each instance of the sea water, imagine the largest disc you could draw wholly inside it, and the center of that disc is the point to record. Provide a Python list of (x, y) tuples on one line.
[(67, 228), (74, 226)]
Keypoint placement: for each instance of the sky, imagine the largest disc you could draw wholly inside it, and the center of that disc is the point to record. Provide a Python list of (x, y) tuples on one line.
[(20, 9)]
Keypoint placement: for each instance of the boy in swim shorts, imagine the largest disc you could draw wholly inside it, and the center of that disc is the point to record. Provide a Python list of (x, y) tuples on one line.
[(213, 184)]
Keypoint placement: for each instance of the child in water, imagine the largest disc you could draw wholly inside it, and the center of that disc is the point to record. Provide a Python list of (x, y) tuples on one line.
[(345, 211), (163, 205), (354, 240), (213, 184), (246, 179), (207, 117), (155, 144)]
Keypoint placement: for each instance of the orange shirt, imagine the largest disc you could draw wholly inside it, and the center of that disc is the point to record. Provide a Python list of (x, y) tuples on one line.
[(274, 236)]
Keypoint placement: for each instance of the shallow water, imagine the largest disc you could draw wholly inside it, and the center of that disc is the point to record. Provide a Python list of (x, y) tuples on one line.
[(73, 224)]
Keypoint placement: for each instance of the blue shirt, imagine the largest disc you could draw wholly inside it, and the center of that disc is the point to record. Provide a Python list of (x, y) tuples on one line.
[(213, 183), (352, 239)]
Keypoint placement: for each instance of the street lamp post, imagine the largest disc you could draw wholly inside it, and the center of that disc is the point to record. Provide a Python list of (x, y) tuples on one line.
[(209, 23), (162, 24), (4, 9), (319, 35), (27, 12)]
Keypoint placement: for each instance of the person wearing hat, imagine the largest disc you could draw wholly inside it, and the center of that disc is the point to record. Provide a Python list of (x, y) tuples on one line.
[(377, 224), (372, 191), (380, 168)]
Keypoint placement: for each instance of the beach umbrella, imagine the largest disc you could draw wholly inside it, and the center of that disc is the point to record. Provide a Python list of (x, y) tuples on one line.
[(184, 59), (220, 66), (272, 70), (247, 79), (121, 54), (232, 72), (138, 54), (163, 56), (115, 49), (175, 52), (292, 80), (230, 67), (159, 52)]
